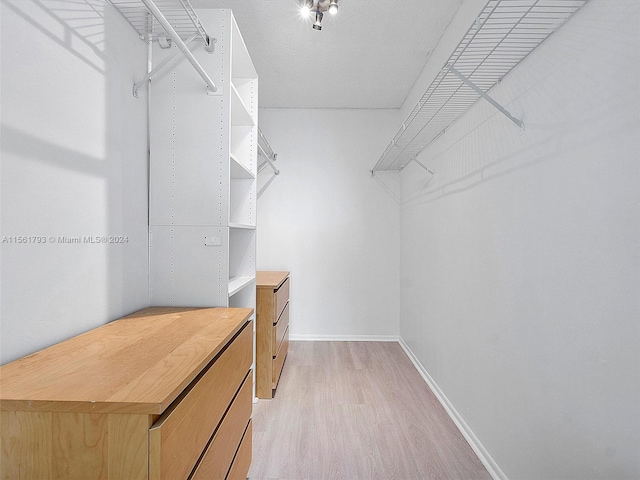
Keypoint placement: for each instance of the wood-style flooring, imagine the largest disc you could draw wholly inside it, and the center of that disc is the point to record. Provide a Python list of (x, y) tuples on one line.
[(356, 410)]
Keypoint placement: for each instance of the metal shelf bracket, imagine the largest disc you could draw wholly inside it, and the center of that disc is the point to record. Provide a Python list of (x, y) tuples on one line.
[(484, 95), (159, 68), (155, 11), (268, 161), (265, 150), (427, 169), (180, 22)]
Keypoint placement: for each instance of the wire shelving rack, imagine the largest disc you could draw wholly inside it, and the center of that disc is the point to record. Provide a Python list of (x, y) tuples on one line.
[(504, 33), (179, 13)]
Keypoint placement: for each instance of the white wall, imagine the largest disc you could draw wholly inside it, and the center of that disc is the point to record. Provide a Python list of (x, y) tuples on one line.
[(328, 222), (521, 259), (74, 163)]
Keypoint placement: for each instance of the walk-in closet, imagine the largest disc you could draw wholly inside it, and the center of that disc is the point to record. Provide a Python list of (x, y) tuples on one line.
[(320, 239)]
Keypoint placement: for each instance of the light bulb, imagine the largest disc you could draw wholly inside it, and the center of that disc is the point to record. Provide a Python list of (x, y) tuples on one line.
[(333, 7), (305, 8)]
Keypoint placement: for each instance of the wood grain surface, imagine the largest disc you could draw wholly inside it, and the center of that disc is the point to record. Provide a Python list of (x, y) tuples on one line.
[(181, 434), (356, 410), (220, 453), (270, 279), (131, 365), (272, 320)]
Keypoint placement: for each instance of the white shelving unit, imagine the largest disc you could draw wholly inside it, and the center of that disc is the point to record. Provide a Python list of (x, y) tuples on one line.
[(203, 174), (243, 172), (504, 33)]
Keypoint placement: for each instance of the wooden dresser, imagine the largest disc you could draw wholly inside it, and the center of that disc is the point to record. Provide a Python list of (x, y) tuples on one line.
[(272, 330), (164, 393)]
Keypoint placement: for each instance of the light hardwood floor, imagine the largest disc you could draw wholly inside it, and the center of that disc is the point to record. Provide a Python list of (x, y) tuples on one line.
[(356, 410)]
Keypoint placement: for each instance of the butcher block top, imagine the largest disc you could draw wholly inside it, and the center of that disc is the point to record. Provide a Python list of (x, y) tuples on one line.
[(137, 364), (268, 279)]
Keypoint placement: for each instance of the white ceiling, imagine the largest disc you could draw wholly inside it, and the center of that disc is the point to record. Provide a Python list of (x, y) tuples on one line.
[(367, 56)]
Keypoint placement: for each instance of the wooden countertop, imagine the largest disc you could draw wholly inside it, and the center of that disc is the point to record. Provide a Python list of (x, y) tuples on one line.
[(137, 364), (269, 279)]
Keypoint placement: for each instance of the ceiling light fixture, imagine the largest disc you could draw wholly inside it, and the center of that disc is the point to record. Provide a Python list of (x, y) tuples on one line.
[(308, 7), (318, 23)]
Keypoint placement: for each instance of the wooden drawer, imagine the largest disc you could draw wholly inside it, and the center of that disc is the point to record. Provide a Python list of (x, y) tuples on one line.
[(242, 462), (279, 329), (282, 297), (272, 324), (178, 438), (278, 362), (219, 455), (137, 398), (73, 446)]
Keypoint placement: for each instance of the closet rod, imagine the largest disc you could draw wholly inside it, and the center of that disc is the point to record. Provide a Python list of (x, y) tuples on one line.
[(180, 44), (159, 67), (266, 157)]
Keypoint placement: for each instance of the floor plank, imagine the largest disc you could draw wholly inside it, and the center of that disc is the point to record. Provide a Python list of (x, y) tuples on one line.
[(356, 410)]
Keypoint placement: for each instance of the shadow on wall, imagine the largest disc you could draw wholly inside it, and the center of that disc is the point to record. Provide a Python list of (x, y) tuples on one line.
[(73, 25), (466, 168), (73, 171), (464, 159)]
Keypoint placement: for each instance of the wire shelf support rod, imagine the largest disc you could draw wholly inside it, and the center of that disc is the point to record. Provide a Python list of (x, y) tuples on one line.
[(486, 96), (155, 11)]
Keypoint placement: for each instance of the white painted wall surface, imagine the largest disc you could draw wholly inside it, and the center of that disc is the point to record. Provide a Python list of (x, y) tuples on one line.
[(328, 222), (73, 165), (521, 259)]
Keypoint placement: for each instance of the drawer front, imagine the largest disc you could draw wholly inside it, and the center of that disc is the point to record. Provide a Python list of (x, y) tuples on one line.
[(279, 330), (73, 446), (282, 297), (278, 362), (178, 438), (219, 455), (242, 462)]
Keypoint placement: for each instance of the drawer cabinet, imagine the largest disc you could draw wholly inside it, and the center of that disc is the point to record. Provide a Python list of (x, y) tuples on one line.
[(139, 398), (272, 329)]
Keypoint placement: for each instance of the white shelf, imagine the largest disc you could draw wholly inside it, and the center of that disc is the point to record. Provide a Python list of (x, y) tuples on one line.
[(245, 296), (239, 113), (241, 226), (238, 170), (238, 283), (242, 202), (179, 13), (504, 34), (241, 64)]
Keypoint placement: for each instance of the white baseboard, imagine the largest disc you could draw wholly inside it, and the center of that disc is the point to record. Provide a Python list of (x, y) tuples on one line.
[(342, 338), (482, 453)]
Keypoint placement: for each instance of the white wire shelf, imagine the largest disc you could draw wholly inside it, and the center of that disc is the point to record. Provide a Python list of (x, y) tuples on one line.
[(179, 13), (165, 21), (501, 37)]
